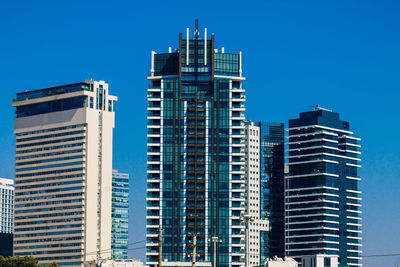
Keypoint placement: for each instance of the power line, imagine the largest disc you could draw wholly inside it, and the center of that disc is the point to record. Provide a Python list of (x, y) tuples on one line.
[(128, 249), (136, 248), (141, 241), (381, 255), (108, 249), (137, 242)]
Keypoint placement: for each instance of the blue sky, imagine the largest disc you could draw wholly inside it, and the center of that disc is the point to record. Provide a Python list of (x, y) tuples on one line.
[(343, 55)]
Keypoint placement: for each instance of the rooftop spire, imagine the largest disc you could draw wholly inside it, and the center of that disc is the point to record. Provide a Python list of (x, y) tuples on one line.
[(196, 31)]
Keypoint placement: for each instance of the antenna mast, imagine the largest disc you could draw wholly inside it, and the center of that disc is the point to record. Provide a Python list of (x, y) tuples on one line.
[(318, 107), (196, 26)]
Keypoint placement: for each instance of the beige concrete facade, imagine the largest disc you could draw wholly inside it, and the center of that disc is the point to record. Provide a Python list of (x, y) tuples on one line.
[(64, 178)]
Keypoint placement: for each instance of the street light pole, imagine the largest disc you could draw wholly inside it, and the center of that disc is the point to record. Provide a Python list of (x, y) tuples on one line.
[(215, 240), (215, 252), (159, 246), (194, 255)]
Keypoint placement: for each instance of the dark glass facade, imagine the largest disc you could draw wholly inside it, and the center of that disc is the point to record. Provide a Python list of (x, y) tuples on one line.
[(51, 106), (322, 198), (272, 192), (120, 215), (6, 244), (57, 90), (190, 172)]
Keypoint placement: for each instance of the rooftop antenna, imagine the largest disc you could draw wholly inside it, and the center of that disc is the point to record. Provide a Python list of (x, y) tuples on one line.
[(318, 107), (196, 25)]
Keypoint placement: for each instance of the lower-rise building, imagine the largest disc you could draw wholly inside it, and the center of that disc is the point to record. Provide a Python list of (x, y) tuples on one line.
[(122, 263), (280, 262), (185, 264), (320, 260)]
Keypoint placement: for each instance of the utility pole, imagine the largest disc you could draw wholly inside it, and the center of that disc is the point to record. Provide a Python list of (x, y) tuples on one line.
[(159, 247), (194, 255)]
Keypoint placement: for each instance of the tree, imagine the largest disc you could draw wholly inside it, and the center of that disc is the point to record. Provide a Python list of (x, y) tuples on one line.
[(25, 261)]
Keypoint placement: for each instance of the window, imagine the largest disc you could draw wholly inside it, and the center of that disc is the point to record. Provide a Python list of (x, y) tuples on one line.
[(327, 262), (51, 106)]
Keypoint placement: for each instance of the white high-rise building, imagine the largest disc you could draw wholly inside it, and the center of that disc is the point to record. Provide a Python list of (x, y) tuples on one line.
[(6, 205), (255, 225), (63, 173)]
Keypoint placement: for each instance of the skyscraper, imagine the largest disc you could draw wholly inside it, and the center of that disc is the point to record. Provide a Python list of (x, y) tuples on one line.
[(322, 198), (264, 191), (63, 173), (120, 215), (256, 224), (272, 190), (195, 171), (6, 216)]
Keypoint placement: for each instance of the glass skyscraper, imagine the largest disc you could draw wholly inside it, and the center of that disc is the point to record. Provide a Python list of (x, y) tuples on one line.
[(63, 173), (195, 164), (120, 215), (322, 196), (272, 191)]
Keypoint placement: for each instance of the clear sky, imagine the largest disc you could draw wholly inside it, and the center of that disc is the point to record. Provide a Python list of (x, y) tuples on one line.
[(343, 55)]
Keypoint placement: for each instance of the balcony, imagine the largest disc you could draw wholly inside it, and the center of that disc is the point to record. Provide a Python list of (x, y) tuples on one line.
[(238, 132), (238, 90), (237, 108), (236, 168), (240, 98), (153, 149), (153, 140), (153, 131), (237, 141)]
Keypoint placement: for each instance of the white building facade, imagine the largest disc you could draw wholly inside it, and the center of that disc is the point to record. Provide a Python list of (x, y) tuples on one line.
[(6, 205), (320, 260), (255, 225), (279, 262), (122, 263)]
